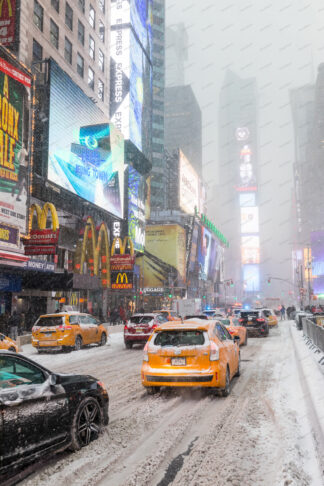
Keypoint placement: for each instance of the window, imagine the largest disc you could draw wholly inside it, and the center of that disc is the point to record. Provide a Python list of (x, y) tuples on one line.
[(38, 15), (81, 32), (90, 78), (179, 338), (101, 88), (101, 60), (68, 16), (81, 5), (92, 17), (91, 47), (102, 5), (56, 5), (68, 51), (80, 65), (37, 51), (54, 34), (101, 31), (15, 372)]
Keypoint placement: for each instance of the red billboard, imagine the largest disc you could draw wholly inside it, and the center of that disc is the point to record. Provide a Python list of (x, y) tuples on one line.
[(8, 19)]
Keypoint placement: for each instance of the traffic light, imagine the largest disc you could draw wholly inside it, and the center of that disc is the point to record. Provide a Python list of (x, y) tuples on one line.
[(170, 296), (269, 281), (135, 297), (204, 296)]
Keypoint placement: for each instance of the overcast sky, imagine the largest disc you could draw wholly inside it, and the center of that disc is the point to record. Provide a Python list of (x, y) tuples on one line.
[(280, 43)]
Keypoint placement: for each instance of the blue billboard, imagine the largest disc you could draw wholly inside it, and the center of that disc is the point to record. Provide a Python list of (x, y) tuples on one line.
[(251, 277), (317, 252), (136, 209), (85, 153), (141, 15)]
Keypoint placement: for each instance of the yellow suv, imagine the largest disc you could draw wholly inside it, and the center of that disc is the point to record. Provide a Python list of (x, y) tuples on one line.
[(67, 330), (7, 343)]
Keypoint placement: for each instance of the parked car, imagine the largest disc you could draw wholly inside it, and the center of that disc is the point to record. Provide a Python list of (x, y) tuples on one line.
[(67, 330), (235, 329), (254, 322), (8, 343), (190, 354), (169, 314), (270, 317), (140, 326), (42, 412)]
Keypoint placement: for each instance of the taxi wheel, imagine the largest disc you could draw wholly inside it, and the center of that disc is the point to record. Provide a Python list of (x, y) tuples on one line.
[(12, 349), (103, 339), (129, 345), (227, 388), (87, 423), (78, 343), (151, 390)]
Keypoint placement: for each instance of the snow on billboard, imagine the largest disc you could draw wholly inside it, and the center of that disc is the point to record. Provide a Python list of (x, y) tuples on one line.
[(188, 185)]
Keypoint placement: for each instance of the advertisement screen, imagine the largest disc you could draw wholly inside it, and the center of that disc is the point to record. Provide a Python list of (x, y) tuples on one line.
[(214, 260), (317, 252), (141, 19), (165, 256), (250, 220), (14, 99), (251, 277), (250, 246), (204, 251), (188, 185), (194, 249), (86, 154), (136, 209), (247, 199), (8, 18)]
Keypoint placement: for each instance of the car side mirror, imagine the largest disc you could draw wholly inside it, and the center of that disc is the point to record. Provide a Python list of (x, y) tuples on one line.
[(236, 339), (52, 380)]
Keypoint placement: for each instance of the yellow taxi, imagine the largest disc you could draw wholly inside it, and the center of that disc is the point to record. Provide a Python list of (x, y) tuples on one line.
[(8, 343), (270, 317), (168, 314), (67, 330), (195, 353), (233, 326)]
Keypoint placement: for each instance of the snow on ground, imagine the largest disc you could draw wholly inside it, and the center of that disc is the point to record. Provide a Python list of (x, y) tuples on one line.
[(268, 432)]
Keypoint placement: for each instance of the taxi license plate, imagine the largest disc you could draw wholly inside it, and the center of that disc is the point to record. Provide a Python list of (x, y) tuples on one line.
[(178, 361)]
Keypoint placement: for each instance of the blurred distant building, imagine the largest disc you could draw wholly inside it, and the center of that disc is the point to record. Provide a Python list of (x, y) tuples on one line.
[(183, 124), (176, 45)]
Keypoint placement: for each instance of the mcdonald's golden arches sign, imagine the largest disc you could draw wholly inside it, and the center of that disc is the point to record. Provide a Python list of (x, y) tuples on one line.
[(43, 240)]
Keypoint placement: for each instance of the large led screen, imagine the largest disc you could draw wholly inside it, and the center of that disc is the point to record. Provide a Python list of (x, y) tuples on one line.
[(165, 256), (247, 199), (188, 185), (204, 251), (86, 154), (250, 220), (136, 209), (250, 246), (251, 278), (317, 252)]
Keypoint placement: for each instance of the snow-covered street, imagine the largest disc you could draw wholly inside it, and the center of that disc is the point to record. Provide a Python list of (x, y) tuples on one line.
[(269, 431)]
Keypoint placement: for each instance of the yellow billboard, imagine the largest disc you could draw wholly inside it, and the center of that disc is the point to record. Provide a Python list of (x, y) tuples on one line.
[(165, 256)]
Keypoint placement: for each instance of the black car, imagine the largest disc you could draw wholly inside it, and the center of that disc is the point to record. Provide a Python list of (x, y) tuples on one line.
[(254, 322), (42, 412)]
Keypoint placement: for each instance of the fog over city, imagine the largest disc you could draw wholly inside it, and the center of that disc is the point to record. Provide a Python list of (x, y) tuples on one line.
[(280, 44)]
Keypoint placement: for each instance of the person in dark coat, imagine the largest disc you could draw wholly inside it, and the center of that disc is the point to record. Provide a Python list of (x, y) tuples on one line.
[(14, 325)]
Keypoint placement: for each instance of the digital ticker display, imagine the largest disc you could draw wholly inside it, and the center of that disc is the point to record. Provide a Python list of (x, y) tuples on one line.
[(86, 153)]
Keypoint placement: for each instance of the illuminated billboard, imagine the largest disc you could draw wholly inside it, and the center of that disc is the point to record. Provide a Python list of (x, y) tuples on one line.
[(250, 247), (131, 71), (317, 252), (251, 278), (204, 251), (247, 199), (165, 256), (86, 153), (136, 209), (188, 185), (250, 219), (14, 161)]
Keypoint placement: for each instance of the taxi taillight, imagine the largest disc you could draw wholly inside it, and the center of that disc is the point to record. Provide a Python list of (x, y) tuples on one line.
[(214, 352), (145, 355)]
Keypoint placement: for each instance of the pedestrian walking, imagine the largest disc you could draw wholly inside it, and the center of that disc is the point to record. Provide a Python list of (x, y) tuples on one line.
[(14, 324), (283, 313)]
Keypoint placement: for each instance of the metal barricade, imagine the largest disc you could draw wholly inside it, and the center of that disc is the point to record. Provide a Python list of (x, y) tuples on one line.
[(314, 332)]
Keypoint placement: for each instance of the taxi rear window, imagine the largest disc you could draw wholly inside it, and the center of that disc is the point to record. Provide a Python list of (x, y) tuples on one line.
[(50, 321), (179, 338)]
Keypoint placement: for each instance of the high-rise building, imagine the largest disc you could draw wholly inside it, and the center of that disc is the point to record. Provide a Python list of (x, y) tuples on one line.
[(183, 125), (158, 187), (237, 206), (75, 34), (176, 46)]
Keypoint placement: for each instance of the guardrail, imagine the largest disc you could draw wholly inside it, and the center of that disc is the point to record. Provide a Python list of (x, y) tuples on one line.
[(314, 332)]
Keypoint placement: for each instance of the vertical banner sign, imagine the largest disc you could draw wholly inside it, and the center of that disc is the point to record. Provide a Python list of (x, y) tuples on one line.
[(14, 94), (7, 21)]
